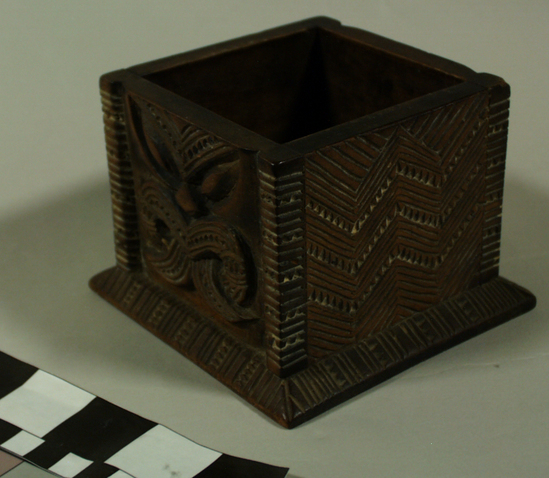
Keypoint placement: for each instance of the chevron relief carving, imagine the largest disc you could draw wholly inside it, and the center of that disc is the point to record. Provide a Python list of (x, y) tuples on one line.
[(395, 221)]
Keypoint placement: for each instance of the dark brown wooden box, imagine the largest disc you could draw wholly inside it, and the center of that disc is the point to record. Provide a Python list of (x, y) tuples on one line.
[(307, 211)]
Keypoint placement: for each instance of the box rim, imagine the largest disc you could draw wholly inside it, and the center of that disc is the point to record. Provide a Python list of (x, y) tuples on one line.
[(134, 78), (274, 152), (373, 40)]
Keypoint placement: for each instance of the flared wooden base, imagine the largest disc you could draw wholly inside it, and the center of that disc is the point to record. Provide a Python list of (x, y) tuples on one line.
[(325, 382)]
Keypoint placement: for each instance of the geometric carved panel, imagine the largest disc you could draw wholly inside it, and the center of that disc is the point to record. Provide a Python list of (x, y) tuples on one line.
[(394, 222)]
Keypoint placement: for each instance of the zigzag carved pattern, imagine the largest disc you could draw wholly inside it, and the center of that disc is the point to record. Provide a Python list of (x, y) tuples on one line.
[(121, 179), (283, 245), (394, 222)]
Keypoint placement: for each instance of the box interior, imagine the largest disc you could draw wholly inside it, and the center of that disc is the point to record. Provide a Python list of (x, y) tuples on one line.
[(295, 85)]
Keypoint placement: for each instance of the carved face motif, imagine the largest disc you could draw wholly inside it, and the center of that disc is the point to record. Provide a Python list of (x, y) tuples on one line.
[(184, 189)]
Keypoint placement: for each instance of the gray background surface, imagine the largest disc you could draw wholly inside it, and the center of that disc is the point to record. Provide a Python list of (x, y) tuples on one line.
[(478, 410)]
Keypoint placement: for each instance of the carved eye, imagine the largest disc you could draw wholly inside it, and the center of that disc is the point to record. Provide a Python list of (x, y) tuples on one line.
[(220, 180), (161, 228)]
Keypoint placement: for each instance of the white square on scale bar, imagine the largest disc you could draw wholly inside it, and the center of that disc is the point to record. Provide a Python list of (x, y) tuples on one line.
[(22, 443), (163, 453), (70, 465), (42, 403)]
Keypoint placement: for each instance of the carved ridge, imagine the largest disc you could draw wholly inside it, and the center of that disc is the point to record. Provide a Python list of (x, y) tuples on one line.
[(126, 237), (283, 247), (496, 139)]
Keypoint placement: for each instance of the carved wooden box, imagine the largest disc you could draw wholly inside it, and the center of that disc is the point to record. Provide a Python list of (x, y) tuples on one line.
[(307, 211)]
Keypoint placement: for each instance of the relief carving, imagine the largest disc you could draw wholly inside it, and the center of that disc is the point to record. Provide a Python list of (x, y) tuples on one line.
[(183, 189)]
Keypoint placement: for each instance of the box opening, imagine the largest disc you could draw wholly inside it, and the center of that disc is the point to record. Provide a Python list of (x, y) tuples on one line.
[(299, 84)]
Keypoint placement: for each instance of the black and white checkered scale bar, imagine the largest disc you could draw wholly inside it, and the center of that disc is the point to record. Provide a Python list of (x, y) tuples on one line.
[(68, 431)]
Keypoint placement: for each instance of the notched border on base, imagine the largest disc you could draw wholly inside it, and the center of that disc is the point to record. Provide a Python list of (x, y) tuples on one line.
[(328, 381)]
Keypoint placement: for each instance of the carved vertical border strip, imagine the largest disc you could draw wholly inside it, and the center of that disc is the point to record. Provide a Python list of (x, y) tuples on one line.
[(496, 147), (283, 244), (126, 236)]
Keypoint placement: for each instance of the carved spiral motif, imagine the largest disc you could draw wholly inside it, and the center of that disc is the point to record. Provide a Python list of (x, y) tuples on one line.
[(188, 173), (165, 248), (219, 268)]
